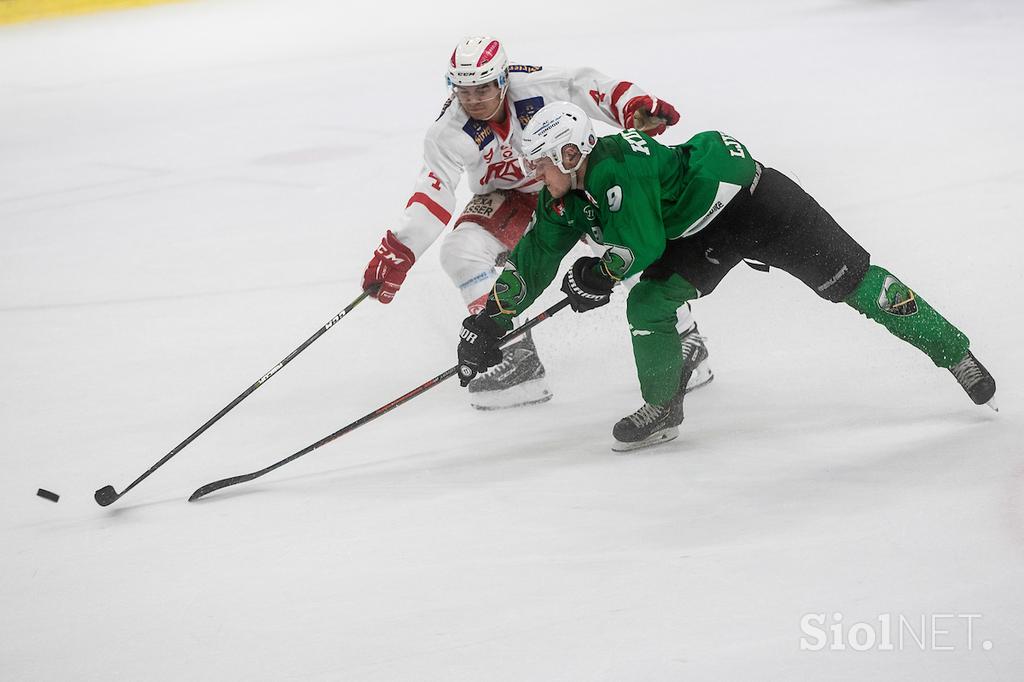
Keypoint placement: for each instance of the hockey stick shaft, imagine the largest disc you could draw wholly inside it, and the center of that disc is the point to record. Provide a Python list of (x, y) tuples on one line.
[(380, 411), (107, 495)]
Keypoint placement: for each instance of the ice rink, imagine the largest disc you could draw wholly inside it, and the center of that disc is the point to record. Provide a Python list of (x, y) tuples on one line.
[(188, 191)]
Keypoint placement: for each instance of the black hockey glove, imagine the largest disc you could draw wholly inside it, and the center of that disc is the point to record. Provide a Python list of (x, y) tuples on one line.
[(587, 285), (478, 346)]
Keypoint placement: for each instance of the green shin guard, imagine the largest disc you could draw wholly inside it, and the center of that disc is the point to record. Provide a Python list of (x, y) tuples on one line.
[(889, 302), (651, 312)]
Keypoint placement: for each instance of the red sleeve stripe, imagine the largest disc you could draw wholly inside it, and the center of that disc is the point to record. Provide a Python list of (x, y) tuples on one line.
[(435, 208), (619, 90)]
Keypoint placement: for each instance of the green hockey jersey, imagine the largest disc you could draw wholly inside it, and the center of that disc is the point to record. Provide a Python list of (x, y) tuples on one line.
[(637, 195)]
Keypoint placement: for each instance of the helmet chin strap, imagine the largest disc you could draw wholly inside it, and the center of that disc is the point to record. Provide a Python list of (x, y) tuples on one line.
[(573, 179), (501, 102)]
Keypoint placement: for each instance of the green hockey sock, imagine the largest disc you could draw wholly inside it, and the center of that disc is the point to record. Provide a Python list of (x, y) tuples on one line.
[(889, 302), (651, 312)]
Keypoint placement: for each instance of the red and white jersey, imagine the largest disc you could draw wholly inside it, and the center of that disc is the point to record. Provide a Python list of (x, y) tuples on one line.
[(489, 153)]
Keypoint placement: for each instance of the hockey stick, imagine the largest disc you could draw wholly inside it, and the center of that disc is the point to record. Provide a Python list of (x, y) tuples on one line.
[(419, 390), (107, 495)]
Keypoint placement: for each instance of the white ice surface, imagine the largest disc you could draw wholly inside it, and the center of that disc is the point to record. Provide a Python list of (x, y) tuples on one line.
[(189, 191)]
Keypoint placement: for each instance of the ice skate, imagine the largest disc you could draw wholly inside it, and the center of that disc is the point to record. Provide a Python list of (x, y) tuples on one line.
[(976, 380), (650, 425), (695, 354), (517, 380), (654, 424)]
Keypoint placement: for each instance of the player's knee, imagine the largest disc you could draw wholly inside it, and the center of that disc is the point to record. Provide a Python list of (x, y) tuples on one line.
[(469, 246), (468, 256), (650, 306), (865, 295), (855, 267)]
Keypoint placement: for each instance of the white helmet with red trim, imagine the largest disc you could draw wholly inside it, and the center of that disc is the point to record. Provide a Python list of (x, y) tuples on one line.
[(478, 60)]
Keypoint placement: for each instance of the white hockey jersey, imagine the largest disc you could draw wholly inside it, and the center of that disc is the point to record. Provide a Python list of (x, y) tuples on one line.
[(489, 153)]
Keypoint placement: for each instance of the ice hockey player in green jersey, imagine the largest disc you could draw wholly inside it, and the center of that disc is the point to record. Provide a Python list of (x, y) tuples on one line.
[(684, 216)]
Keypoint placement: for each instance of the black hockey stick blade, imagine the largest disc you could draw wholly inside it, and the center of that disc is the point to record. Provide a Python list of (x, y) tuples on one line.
[(223, 483), (419, 390), (106, 495)]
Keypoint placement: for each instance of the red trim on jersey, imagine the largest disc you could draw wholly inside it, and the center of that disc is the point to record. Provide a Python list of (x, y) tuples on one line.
[(619, 90), (436, 209)]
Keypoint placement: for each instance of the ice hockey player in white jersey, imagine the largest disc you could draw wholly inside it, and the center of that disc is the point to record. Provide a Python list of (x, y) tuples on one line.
[(478, 135)]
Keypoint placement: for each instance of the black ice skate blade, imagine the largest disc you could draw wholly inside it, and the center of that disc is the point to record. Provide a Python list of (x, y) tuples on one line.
[(663, 436)]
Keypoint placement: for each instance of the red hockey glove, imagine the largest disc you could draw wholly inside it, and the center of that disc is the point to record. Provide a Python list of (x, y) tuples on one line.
[(649, 115), (388, 268)]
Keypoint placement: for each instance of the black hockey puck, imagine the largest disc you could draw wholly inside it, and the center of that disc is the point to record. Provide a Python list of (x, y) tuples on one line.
[(47, 495)]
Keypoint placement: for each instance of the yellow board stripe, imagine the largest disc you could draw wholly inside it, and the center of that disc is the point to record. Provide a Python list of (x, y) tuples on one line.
[(13, 11)]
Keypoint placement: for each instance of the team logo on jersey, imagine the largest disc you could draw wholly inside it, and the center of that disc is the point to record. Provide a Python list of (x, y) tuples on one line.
[(480, 132), (617, 260), (526, 108), (507, 170), (558, 207), (896, 298), (523, 68), (590, 212)]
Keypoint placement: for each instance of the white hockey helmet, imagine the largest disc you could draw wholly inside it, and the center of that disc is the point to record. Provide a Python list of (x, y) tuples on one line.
[(555, 126), (478, 60)]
